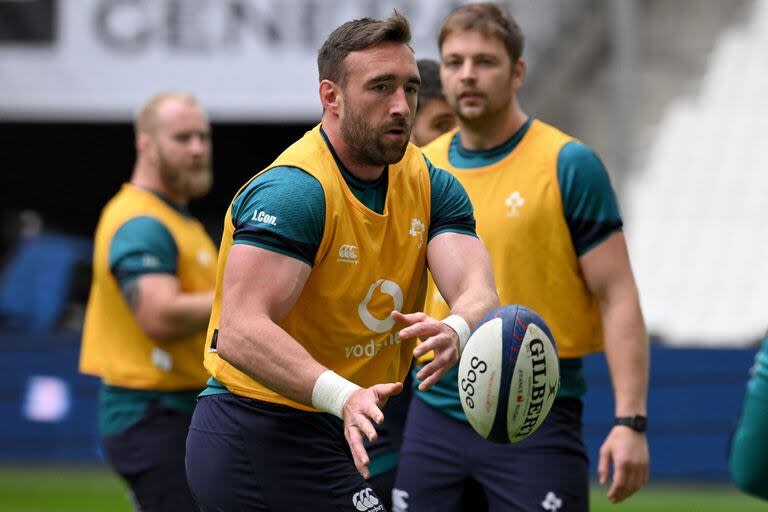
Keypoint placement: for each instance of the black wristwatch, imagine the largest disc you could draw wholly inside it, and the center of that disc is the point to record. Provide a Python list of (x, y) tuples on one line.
[(637, 423)]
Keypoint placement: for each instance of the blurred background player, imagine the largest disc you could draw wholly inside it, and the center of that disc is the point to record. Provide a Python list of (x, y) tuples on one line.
[(433, 118), (150, 301), (748, 457), (318, 250), (547, 212), (434, 115)]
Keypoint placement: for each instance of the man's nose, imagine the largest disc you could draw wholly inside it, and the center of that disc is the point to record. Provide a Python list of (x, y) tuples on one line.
[(467, 73), (399, 105), (198, 145)]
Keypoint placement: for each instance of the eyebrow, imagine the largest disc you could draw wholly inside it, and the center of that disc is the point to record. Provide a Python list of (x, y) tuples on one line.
[(413, 79)]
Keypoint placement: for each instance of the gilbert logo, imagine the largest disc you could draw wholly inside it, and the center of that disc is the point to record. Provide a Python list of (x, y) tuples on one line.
[(348, 254), (366, 501), (262, 216), (417, 230), (514, 202), (390, 288)]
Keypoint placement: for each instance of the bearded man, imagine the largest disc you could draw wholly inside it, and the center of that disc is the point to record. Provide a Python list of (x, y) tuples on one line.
[(154, 270), (321, 279)]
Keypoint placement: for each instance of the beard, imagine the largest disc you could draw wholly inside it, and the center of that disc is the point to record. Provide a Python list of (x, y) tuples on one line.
[(486, 111), (192, 180), (367, 144)]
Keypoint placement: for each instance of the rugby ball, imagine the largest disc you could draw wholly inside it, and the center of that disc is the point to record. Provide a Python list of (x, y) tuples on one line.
[(509, 374)]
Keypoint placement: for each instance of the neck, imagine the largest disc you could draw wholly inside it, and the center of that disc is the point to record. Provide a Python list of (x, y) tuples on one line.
[(362, 171), (493, 130), (148, 177)]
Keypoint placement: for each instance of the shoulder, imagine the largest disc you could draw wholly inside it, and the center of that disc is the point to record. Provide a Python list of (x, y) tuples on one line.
[(578, 156), (579, 169), (146, 238), (282, 187), (144, 229), (440, 178)]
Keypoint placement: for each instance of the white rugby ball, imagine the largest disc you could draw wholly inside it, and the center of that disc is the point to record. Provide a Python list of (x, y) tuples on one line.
[(509, 374)]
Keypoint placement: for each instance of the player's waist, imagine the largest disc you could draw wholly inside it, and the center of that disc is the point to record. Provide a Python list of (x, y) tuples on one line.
[(217, 391), (255, 392)]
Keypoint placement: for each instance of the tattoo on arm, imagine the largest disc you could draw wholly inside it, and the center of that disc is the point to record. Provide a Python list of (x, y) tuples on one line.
[(130, 291)]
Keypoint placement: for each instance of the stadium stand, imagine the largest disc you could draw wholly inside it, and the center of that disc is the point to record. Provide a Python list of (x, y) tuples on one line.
[(695, 208)]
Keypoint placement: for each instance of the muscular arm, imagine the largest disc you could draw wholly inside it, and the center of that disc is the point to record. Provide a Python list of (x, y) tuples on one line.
[(462, 271), (260, 287), (143, 259), (609, 276), (162, 311)]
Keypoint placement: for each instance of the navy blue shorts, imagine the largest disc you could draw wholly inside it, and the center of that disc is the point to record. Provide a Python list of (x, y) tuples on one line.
[(149, 455), (547, 471), (245, 454)]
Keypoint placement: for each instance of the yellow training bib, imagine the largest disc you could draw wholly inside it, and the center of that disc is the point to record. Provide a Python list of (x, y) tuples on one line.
[(367, 265), (114, 347), (520, 219)]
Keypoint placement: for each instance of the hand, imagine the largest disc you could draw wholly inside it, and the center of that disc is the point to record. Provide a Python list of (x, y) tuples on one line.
[(628, 451), (435, 335), (361, 407)]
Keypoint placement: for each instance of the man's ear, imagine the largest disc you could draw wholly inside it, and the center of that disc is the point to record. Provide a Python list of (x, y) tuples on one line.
[(518, 74), (331, 97), (145, 146)]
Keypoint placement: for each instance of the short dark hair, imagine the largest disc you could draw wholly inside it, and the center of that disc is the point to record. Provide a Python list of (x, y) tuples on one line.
[(431, 88), (490, 19), (358, 35)]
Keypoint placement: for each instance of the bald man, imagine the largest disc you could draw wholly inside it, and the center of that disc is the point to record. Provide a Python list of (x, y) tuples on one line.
[(151, 297)]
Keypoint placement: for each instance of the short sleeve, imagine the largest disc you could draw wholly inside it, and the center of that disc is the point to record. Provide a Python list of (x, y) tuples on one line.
[(451, 209), (282, 210), (143, 245), (589, 202)]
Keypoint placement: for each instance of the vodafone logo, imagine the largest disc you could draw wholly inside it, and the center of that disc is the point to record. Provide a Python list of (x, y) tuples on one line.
[(390, 288), (365, 501)]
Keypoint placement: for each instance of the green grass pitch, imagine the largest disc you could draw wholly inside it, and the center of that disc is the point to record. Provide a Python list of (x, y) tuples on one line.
[(95, 489)]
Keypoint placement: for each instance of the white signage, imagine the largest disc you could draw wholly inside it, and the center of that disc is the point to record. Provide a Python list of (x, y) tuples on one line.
[(247, 60)]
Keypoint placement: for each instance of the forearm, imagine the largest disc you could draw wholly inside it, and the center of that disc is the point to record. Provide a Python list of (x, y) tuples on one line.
[(627, 353), (463, 273), (182, 314), (265, 352), (476, 302)]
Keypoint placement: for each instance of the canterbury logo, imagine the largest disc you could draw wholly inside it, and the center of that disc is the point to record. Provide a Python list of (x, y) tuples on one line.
[(348, 253), (390, 288), (364, 501), (399, 500)]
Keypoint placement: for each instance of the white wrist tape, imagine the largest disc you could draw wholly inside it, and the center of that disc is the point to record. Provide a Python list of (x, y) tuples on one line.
[(461, 327), (331, 392)]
